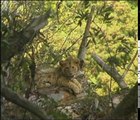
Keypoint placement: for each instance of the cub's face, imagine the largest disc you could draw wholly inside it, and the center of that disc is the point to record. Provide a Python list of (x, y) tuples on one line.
[(70, 67)]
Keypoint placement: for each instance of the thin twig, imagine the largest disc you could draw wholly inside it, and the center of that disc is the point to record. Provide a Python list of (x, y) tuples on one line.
[(129, 65), (68, 36)]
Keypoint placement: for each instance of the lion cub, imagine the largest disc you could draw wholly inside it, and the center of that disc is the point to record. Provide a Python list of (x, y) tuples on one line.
[(63, 75)]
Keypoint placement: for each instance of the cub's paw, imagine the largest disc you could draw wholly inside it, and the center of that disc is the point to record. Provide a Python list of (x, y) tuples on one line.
[(77, 90), (78, 85)]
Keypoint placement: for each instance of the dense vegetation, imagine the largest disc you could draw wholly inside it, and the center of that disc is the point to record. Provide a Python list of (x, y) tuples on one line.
[(112, 36)]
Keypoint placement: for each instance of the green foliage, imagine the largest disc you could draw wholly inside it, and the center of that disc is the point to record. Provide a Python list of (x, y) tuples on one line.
[(113, 36)]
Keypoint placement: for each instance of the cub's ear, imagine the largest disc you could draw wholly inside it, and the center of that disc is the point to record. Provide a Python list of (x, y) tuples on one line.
[(81, 63), (77, 61), (62, 63)]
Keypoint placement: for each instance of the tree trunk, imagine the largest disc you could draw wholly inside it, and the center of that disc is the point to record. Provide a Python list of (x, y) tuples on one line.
[(15, 44), (127, 106), (83, 46), (111, 71)]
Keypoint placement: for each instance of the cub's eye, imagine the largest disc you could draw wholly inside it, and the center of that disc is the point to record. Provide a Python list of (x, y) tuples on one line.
[(72, 66), (66, 68)]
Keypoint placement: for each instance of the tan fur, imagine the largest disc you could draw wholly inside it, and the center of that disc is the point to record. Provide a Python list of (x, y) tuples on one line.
[(63, 75)]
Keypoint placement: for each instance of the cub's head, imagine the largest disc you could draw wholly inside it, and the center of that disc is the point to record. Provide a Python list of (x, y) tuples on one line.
[(70, 66)]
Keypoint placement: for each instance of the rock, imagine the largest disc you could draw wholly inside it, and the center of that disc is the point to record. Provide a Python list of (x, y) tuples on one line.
[(57, 96)]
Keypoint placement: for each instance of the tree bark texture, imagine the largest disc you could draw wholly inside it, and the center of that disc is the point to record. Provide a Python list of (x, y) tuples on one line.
[(111, 71), (83, 46)]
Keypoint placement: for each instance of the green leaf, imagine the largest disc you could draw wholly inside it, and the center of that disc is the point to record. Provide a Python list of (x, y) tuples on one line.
[(113, 60)]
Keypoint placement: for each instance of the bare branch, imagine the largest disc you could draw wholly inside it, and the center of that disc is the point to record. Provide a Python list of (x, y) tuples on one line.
[(22, 102), (82, 49), (129, 65), (111, 71)]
